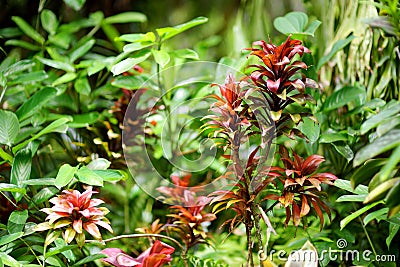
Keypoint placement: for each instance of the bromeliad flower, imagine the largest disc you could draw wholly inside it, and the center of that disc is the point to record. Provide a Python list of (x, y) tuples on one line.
[(301, 186), (74, 212), (156, 256)]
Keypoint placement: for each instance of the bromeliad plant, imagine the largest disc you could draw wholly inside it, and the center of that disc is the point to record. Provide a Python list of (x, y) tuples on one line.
[(267, 104)]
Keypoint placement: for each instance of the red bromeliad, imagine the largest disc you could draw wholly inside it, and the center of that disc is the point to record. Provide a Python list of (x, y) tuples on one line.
[(155, 256), (75, 212)]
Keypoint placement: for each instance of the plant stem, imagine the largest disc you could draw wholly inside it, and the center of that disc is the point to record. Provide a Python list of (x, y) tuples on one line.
[(256, 217), (249, 226)]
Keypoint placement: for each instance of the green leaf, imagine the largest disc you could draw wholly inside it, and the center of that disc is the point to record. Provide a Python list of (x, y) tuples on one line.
[(126, 17), (11, 188), (327, 138), (185, 53), (59, 126), (110, 175), (96, 67), (31, 77), (90, 259), (390, 110), (82, 86), (8, 260), (49, 21), (335, 48), (81, 50), (378, 192), (295, 23), (19, 66), (382, 144), (42, 196), (84, 120), (129, 48), (161, 57), (21, 170), (40, 181), (65, 175), (58, 250), (128, 82), (66, 78), (16, 221), (28, 30), (357, 213), (10, 238), (344, 96), (378, 214), (391, 164), (351, 198), (75, 4), (310, 129), (138, 37), (34, 103), (393, 230), (9, 127), (128, 64), (169, 32), (87, 176), (346, 185), (345, 151), (99, 164), (392, 198), (366, 171), (57, 64), (23, 44), (388, 124)]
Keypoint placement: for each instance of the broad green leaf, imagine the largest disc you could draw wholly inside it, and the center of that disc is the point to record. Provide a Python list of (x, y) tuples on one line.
[(82, 86), (11, 188), (96, 67), (99, 164), (66, 78), (378, 214), (378, 192), (138, 37), (23, 44), (90, 259), (81, 50), (75, 4), (357, 213), (161, 57), (345, 151), (126, 17), (65, 175), (110, 175), (28, 30), (393, 230), (128, 82), (9, 127), (388, 124), (19, 66), (58, 250), (129, 48), (84, 120), (391, 164), (87, 176), (62, 39), (36, 102), (10, 32), (344, 96), (8, 260), (169, 32), (351, 198), (185, 53), (310, 129), (16, 221), (21, 170), (10, 238), (128, 64), (49, 21), (366, 171), (346, 185), (59, 126), (31, 77), (112, 34), (68, 253), (382, 144), (335, 48), (391, 110), (328, 138), (295, 23), (57, 64)]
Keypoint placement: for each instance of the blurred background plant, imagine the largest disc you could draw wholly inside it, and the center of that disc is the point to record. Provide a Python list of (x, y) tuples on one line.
[(62, 109)]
